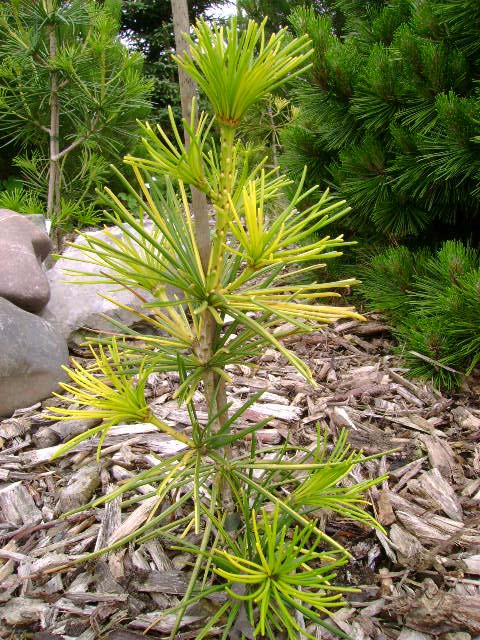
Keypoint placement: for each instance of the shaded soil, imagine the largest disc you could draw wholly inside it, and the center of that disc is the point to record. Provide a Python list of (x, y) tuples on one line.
[(419, 581)]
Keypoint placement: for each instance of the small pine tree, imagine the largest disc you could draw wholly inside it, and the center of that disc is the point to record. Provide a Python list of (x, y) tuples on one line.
[(390, 114), (70, 90)]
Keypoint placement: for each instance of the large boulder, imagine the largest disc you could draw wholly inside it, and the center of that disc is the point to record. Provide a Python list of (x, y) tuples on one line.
[(31, 355), (23, 248), (79, 307)]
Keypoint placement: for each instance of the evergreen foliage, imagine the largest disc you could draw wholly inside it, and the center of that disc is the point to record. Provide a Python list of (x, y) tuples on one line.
[(18, 199), (390, 115), (70, 94), (278, 11), (433, 300)]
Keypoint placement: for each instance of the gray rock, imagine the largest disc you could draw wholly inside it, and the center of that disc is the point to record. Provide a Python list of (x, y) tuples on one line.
[(23, 248), (75, 307), (31, 355), (38, 220)]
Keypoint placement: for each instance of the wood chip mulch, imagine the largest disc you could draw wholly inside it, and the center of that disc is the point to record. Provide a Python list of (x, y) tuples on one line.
[(418, 582)]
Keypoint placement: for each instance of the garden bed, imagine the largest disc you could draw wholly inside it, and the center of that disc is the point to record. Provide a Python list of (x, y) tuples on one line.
[(422, 577)]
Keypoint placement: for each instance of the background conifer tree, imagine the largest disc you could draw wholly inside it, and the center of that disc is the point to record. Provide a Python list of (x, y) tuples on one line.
[(278, 11), (70, 94), (148, 27), (390, 115)]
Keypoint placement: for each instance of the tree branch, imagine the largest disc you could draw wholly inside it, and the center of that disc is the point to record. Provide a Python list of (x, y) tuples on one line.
[(78, 141), (41, 126)]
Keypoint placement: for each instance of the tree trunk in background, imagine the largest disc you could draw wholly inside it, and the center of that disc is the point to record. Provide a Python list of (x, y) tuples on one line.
[(53, 199), (273, 137), (188, 90)]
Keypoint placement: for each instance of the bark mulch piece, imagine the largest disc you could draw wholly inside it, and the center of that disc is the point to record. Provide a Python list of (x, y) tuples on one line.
[(418, 582)]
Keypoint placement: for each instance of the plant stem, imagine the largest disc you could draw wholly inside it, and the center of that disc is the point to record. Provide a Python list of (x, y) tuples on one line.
[(222, 205), (227, 149), (214, 386), (198, 565), (215, 390)]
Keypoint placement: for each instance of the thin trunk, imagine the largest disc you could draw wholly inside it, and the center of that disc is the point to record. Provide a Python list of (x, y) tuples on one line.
[(204, 350), (188, 90), (274, 137), (53, 199), (214, 386)]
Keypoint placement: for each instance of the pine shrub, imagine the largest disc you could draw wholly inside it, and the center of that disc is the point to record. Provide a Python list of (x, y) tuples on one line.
[(389, 119), (390, 116), (387, 280), (433, 301)]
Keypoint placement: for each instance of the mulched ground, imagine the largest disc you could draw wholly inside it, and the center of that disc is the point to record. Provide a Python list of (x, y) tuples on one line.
[(421, 581)]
